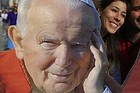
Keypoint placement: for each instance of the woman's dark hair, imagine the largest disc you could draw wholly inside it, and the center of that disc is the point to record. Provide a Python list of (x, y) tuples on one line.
[(104, 3), (126, 26), (113, 54), (111, 40)]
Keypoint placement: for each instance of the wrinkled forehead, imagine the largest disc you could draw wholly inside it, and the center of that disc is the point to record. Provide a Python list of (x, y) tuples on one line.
[(72, 11), (135, 3)]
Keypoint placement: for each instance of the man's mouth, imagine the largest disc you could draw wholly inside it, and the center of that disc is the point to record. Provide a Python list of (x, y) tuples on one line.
[(61, 77)]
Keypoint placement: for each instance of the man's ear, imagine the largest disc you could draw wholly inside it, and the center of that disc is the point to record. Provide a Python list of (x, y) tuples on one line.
[(16, 37)]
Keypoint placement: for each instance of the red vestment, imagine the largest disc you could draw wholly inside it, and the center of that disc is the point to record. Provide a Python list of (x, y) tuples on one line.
[(12, 75), (132, 83)]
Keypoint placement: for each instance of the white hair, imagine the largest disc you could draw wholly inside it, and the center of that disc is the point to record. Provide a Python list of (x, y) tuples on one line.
[(23, 7)]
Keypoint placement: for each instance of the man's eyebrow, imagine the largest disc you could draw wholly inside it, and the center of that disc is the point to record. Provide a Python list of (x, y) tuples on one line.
[(44, 35), (135, 8)]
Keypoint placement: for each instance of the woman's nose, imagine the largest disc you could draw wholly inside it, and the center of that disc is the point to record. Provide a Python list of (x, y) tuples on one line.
[(118, 17)]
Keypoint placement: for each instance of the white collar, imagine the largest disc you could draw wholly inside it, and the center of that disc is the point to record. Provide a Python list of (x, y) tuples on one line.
[(89, 2)]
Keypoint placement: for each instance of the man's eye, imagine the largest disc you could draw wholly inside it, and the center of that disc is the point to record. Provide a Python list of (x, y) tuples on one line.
[(136, 9), (78, 47), (48, 44)]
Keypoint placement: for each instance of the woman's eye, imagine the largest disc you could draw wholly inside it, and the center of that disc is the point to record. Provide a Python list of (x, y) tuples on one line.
[(123, 15), (115, 10)]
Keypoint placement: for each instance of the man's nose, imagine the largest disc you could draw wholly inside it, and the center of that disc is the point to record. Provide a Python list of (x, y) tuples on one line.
[(63, 56)]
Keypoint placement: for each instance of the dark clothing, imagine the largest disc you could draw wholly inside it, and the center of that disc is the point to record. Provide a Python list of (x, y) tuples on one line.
[(132, 84), (128, 54), (11, 18)]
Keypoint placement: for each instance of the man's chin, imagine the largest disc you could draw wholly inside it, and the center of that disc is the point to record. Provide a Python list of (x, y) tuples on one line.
[(60, 88)]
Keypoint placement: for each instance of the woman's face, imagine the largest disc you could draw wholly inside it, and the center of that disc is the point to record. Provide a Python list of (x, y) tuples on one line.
[(113, 16)]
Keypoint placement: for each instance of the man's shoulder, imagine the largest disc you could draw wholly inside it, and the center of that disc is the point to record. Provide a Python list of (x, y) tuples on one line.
[(12, 73), (10, 12), (7, 51), (138, 43), (7, 55), (8, 62), (132, 82), (8, 59)]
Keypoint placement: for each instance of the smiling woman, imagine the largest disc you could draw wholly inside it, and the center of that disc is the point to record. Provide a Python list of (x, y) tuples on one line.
[(112, 14)]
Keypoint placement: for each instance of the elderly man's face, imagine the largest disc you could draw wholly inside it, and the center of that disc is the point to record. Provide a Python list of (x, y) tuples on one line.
[(56, 51)]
